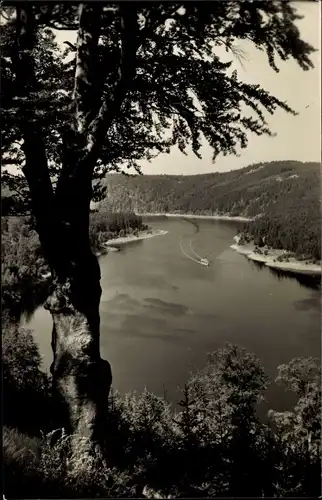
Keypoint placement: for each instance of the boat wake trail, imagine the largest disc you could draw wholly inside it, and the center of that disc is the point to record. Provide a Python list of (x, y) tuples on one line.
[(194, 253), (199, 259), (188, 256)]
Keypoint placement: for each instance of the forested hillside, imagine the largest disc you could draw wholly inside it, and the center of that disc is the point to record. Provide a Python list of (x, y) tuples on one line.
[(248, 191), (285, 193), (25, 273)]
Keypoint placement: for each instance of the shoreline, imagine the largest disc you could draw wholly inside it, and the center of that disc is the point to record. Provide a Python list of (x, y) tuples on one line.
[(143, 235), (293, 266), (193, 216)]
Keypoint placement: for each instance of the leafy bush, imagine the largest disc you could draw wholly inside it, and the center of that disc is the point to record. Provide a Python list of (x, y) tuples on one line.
[(46, 469), (26, 389), (298, 432), (221, 422), (214, 446), (22, 266), (20, 462)]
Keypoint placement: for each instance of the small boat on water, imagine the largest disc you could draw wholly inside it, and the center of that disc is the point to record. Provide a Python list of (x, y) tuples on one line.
[(199, 260)]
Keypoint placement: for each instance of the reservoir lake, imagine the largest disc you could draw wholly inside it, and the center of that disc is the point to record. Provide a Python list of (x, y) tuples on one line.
[(161, 312)]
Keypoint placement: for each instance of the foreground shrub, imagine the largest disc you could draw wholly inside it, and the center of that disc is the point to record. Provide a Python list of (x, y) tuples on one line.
[(222, 440), (214, 446), (20, 462), (46, 469), (26, 389), (298, 432)]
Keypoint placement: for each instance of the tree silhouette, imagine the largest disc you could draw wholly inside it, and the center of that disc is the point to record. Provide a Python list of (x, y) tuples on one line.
[(139, 79)]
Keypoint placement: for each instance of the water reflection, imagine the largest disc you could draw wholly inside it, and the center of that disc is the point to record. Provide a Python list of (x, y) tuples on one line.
[(304, 280), (313, 282)]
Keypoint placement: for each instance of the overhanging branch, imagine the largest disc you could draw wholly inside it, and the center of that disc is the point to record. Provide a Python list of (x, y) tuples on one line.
[(35, 168), (85, 94), (85, 88), (156, 19), (126, 72), (131, 39)]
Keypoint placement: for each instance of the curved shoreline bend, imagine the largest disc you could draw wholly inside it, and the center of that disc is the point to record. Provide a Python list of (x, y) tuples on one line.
[(193, 216), (269, 260), (143, 235)]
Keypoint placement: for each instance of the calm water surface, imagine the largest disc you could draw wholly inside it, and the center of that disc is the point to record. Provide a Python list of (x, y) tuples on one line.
[(161, 312)]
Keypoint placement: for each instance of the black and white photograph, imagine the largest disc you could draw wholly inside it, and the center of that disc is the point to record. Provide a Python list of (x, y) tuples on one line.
[(161, 249)]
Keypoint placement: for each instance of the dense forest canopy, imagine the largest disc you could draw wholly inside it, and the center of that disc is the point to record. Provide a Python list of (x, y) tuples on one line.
[(247, 191), (285, 194), (173, 87), (26, 276), (214, 446)]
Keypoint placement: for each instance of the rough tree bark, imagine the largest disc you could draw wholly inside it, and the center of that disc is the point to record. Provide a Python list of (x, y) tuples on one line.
[(81, 378)]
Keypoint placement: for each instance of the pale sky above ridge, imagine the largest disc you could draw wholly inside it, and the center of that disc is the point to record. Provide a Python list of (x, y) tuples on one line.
[(298, 137)]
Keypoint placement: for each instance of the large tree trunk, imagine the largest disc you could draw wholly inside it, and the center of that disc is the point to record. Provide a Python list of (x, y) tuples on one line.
[(81, 379)]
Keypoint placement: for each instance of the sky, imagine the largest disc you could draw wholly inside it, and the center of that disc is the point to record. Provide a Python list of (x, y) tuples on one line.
[(298, 137)]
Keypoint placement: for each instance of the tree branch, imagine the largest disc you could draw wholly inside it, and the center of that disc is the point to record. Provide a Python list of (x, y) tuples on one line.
[(73, 189), (67, 27), (35, 168), (60, 16), (86, 63), (155, 20), (132, 39), (126, 72)]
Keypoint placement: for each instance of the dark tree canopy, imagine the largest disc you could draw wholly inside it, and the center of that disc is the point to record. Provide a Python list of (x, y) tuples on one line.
[(140, 78), (153, 76)]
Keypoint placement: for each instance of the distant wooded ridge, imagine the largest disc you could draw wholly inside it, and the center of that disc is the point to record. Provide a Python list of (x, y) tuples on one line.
[(286, 194)]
